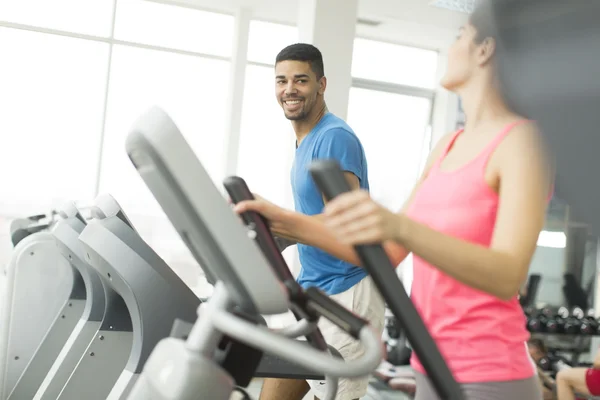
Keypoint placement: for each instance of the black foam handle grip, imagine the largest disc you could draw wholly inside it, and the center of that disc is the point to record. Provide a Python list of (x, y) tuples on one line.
[(330, 180), (238, 191), (335, 312)]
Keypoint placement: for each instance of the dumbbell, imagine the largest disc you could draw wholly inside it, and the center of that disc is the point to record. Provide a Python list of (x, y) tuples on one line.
[(533, 323), (589, 325), (555, 323), (392, 327), (399, 355), (529, 311), (545, 364), (558, 362), (573, 323), (548, 321)]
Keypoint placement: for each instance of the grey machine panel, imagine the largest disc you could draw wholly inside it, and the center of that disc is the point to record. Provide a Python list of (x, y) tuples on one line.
[(38, 282), (66, 232), (36, 264), (203, 219), (151, 292)]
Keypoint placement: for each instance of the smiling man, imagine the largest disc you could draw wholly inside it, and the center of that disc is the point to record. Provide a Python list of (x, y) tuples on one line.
[(300, 85)]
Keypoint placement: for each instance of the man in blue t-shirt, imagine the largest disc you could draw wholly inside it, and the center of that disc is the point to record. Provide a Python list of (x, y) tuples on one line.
[(326, 263)]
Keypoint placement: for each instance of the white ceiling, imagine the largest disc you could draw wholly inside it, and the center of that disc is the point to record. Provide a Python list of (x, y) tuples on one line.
[(411, 22)]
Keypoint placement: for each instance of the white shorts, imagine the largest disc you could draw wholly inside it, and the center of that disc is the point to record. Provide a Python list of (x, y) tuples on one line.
[(364, 300)]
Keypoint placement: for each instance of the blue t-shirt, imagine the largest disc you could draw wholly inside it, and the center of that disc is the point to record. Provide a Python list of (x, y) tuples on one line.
[(331, 138)]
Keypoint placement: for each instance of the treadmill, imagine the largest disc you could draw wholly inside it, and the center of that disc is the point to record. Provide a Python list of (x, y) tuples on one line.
[(244, 278)]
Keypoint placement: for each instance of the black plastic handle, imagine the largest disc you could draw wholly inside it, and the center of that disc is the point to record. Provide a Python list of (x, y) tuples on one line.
[(238, 191), (330, 180), (335, 312)]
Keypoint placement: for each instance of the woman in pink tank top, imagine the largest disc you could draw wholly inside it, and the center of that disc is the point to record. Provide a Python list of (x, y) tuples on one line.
[(472, 224)]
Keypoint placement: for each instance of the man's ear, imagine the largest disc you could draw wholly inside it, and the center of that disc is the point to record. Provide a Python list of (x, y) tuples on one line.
[(322, 85), (487, 49)]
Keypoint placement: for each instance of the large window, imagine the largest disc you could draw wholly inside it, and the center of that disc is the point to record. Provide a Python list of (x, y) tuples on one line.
[(392, 128), (392, 63), (390, 110), (91, 17), (266, 39), (191, 89), (51, 120), (153, 23), (71, 93)]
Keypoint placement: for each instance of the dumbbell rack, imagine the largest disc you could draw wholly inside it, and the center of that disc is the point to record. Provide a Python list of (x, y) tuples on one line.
[(556, 325), (562, 321)]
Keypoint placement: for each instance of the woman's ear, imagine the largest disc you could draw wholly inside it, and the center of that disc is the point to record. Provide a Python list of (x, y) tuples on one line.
[(486, 50)]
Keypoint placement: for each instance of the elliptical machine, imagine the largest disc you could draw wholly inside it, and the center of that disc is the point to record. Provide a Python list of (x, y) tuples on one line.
[(214, 236), (44, 298)]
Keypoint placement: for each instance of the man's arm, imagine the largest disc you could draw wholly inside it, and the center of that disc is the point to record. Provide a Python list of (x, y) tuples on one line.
[(345, 148), (289, 238), (287, 241), (354, 183)]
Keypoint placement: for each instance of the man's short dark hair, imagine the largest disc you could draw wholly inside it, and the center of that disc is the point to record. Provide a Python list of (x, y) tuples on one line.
[(303, 52)]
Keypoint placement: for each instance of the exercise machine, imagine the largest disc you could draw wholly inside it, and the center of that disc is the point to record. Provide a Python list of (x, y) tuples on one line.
[(146, 301), (20, 228), (244, 279), (95, 314), (145, 298), (44, 297), (209, 228)]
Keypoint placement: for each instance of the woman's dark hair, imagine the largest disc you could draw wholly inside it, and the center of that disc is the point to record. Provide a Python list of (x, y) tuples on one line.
[(482, 19)]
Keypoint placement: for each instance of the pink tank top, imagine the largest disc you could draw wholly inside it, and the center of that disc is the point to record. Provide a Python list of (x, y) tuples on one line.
[(482, 338)]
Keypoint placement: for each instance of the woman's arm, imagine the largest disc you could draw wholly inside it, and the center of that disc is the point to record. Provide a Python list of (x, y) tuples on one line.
[(313, 232), (525, 183)]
